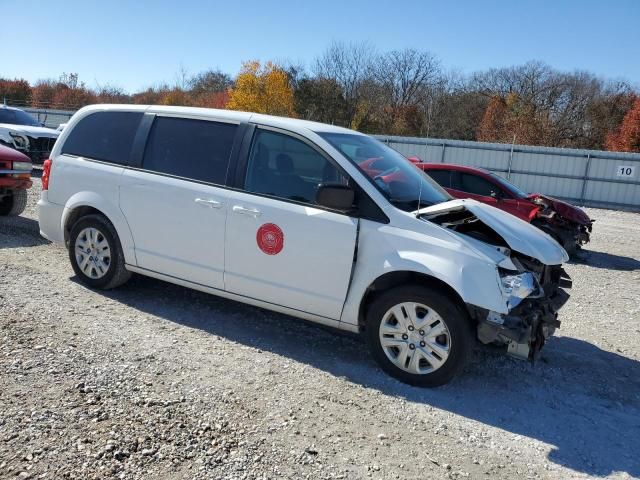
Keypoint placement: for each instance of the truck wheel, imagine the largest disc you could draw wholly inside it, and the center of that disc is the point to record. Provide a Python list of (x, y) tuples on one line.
[(13, 204), (95, 253), (418, 335)]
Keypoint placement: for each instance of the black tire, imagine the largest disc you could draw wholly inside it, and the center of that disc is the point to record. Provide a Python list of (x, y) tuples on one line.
[(456, 320), (116, 273), (571, 247), (13, 204), (566, 241)]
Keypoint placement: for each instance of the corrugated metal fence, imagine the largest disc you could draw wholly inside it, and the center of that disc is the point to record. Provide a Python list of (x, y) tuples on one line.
[(591, 178), (50, 117)]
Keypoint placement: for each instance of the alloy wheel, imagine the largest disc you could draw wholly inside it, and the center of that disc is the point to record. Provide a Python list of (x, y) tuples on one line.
[(415, 338)]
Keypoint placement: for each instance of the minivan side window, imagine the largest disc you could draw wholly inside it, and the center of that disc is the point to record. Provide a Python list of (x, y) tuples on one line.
[(106, 136), (194, 149), (286, 167)]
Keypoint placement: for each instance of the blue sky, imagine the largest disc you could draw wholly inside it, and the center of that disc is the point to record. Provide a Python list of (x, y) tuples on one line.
[(137, 44)]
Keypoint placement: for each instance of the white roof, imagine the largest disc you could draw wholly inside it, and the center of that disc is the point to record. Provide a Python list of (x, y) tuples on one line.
[(283, 122)]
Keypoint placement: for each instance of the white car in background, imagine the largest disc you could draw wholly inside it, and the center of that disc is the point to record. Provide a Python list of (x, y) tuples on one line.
[(312, 220), (22, 132)]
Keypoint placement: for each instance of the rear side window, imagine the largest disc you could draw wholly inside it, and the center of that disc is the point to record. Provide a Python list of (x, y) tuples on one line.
[(194, 149), (473, 184), (106, 136), (443, 177)]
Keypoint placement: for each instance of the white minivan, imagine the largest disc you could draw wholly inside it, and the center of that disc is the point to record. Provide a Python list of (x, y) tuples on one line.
[(312, 220)]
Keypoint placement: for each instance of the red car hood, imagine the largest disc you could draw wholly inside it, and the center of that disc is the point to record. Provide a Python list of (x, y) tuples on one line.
[(11, 155), (564, 209)]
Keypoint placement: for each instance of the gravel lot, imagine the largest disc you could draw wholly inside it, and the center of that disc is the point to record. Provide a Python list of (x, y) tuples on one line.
[(157, 381)]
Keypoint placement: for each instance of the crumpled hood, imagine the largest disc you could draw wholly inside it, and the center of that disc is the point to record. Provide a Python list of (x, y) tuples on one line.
[(566, 210), (519, 235), (31, 131)]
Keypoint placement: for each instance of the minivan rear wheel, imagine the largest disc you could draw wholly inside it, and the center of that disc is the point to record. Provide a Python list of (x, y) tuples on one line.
[(418, 335), (96, 254)]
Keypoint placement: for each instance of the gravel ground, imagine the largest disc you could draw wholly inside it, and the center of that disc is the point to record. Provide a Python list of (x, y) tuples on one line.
[(156, 381)]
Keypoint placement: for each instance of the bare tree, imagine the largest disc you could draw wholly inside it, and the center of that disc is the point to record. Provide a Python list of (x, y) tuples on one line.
[(210, 81), (408, 75), (182, 78), (350, 66)]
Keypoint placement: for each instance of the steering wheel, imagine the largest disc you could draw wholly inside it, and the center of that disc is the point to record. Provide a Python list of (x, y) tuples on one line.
[(379, 180)]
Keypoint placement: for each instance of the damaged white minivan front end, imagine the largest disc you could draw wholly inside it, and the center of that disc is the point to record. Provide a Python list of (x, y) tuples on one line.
[(529, 273)]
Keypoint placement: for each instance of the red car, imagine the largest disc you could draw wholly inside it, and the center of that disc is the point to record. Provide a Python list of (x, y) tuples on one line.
[(15, 179), (568, 224)]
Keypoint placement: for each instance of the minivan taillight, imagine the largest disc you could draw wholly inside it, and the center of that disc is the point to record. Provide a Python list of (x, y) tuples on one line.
[(46, 171)]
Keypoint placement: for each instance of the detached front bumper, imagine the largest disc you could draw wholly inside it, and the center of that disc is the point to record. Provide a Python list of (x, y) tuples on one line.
[(525, 329)]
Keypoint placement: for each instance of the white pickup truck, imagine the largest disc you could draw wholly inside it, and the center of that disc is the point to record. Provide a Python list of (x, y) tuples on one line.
[(22, 132)]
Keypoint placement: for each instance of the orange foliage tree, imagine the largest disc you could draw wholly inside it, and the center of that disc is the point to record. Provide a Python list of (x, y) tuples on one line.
[(65, 97), (492, 125), (67, 92), (213, 99), (177, 96), (42, 93), (627, 137), (262, 89), (17, 91), (506, 118)]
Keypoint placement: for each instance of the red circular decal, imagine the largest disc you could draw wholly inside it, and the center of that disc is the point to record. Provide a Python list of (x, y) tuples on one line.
[(270, 239)]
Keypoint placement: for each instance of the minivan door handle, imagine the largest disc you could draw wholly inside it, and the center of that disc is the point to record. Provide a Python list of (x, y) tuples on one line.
[(207, 202), (252, 212)]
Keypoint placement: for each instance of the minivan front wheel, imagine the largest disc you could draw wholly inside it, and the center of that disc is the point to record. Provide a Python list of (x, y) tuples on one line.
[(418, 335), (95, 253)]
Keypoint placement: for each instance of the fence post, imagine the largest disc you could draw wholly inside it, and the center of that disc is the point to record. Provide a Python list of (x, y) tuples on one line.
[(585, 178), (444, 146), (510, 162)]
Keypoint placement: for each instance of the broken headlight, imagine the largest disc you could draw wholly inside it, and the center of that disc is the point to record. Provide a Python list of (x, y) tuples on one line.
[(517, 287), (19, 141)]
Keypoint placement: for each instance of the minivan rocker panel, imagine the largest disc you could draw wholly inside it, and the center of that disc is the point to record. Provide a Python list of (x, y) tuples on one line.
[(421, 275)]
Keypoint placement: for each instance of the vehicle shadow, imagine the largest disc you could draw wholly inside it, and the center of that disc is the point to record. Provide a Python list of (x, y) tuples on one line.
[(580, 399), (606, 260), (20, 232)]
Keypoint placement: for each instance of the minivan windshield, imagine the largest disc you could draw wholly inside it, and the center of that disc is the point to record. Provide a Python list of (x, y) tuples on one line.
[(403, 184)]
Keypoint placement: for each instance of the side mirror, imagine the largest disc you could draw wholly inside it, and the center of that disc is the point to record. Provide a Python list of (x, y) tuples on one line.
[(335, 196), (496, 194)]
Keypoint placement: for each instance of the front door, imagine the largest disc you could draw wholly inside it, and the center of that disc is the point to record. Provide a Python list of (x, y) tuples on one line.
[(281, 247)]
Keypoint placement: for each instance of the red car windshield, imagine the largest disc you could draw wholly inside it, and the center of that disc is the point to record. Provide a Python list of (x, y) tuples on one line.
[(509, 186), (403, 184)]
